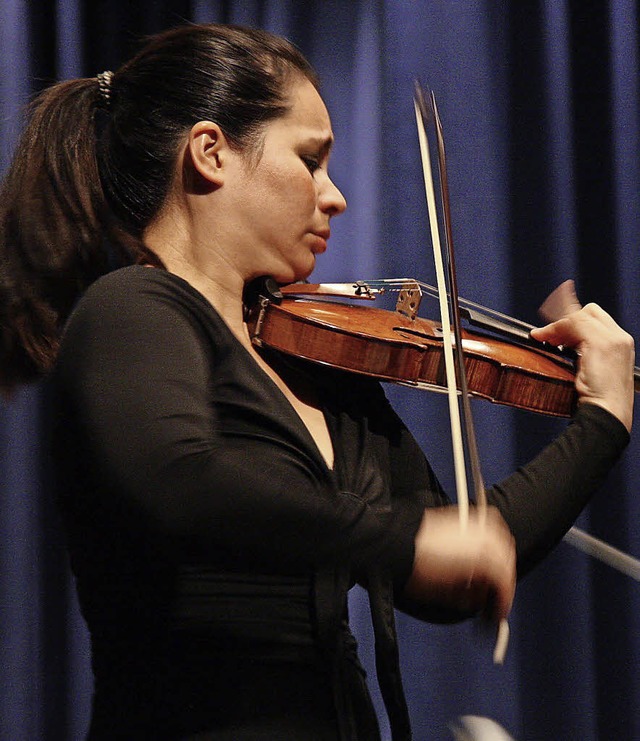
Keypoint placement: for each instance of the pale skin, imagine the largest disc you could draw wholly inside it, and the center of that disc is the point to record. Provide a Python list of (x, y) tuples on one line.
[(606, 352), (233, 216)]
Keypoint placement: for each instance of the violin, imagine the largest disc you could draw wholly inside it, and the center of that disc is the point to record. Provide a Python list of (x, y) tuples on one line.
[(400, 347), (497, 360)]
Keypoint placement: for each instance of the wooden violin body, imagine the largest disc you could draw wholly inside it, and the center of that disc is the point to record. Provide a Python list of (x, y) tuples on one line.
[(393, 347)]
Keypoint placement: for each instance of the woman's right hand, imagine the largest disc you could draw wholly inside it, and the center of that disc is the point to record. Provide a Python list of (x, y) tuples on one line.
[(470, 568)]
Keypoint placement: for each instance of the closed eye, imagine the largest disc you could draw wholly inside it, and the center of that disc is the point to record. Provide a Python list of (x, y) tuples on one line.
[(312, 163)]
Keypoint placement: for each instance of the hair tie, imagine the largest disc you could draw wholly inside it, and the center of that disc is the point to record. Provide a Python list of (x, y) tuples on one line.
[(104, 86)]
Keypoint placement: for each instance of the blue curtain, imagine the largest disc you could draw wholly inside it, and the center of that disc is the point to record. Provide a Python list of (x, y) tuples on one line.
[(540, 104)]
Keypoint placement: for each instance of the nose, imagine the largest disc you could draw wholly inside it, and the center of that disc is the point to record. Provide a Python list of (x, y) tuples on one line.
[(330, 199)]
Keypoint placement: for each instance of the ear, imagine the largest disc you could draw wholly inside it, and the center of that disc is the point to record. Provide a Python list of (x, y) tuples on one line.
[(208, 150)]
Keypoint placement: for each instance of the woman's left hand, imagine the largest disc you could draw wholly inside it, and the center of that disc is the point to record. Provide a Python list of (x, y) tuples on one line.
[(606, 354)]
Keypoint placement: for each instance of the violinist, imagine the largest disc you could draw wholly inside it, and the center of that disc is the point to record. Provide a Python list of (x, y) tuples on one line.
[(221, 500)]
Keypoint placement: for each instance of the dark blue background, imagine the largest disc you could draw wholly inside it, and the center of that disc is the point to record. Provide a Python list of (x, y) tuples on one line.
[(540, 106)]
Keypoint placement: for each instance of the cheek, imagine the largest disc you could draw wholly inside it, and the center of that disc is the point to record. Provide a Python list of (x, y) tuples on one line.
[(301, 190), (281, 189), (288, 193)]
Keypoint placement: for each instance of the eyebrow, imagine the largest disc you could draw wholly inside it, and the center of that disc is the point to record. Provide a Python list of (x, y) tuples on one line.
[(324, 144)]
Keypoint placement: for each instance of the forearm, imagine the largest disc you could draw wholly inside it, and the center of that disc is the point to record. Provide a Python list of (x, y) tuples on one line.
[(542, 499)]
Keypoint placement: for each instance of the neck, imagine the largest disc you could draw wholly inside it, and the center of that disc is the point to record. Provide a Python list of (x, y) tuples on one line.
[(203, 267)]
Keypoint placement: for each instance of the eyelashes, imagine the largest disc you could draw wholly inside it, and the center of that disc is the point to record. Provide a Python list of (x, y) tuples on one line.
[(312, 163)]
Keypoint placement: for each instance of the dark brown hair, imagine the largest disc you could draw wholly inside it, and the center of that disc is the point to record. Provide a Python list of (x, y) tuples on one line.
[(90, 173)]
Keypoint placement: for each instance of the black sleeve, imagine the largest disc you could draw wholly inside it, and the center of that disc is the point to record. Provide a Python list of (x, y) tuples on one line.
[(142, 448), (541, 500)]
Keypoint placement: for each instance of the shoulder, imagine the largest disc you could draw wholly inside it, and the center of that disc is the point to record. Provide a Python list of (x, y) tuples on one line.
[(137, 295), (140, 307), (135, 284), (140, 320)]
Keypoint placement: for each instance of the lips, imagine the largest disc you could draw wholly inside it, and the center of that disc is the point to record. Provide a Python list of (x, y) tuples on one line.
[(321, 240)]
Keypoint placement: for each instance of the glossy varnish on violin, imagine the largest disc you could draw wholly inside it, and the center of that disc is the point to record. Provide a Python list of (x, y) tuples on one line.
[(392, 347)]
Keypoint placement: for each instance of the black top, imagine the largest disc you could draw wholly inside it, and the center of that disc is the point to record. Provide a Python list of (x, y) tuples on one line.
[(213, 547)]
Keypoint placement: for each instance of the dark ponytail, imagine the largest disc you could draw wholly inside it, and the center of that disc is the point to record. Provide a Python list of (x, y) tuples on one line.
[(94, 167), (51, 231)]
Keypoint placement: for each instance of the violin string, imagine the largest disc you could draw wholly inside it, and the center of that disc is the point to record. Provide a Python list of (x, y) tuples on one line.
[(397, 284)]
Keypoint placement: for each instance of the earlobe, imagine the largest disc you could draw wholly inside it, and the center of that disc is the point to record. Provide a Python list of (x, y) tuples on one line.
[(207, 146)]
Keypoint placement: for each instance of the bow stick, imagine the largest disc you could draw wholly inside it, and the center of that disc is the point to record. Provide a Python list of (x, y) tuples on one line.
[(452, 390), (474, 456), (422, 117)]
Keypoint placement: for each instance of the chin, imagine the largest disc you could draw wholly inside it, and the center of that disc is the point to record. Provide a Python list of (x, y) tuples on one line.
[(294, 274)]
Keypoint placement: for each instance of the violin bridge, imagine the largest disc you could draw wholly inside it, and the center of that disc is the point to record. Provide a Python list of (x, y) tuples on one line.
[(409, 299)]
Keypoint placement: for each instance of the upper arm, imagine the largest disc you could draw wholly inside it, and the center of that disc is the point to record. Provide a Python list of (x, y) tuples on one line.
[(154, 452)]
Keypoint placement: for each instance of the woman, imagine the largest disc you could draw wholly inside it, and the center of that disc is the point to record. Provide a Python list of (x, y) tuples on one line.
[(220, 501)]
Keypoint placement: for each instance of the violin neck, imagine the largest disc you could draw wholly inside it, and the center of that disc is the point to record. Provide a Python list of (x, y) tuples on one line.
[(518, 334), (493, 324)]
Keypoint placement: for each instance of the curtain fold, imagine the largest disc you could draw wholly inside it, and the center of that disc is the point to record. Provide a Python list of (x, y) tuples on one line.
[(540, 104)]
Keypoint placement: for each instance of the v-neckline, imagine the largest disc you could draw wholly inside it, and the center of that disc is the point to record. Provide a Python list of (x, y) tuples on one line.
[(321, 406), (271, 383)]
